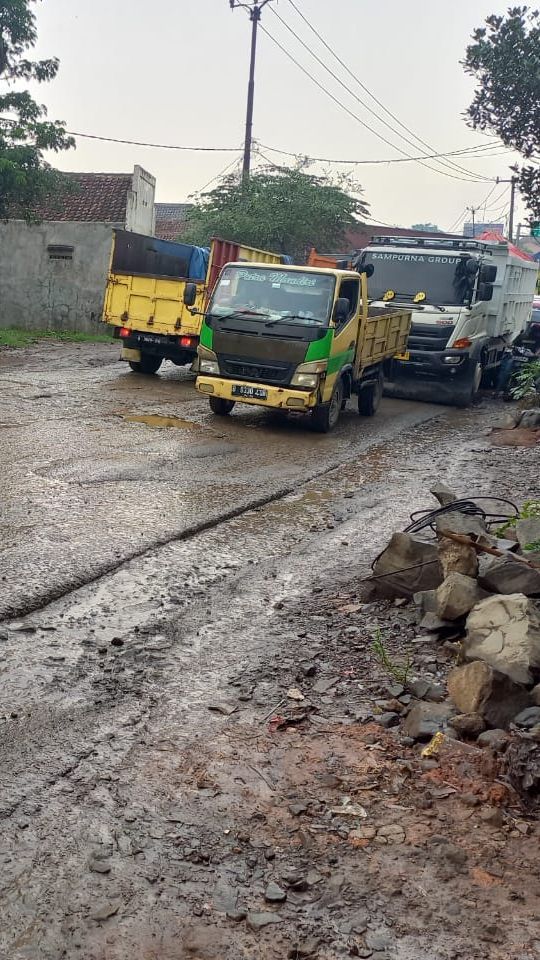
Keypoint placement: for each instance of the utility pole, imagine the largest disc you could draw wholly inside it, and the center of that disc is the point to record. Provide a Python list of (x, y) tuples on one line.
[(473, 211), (513, 183), (254, 8)]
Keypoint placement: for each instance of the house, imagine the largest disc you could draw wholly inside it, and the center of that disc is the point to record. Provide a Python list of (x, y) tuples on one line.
[(171, 219), (361, 237), (53, 271)]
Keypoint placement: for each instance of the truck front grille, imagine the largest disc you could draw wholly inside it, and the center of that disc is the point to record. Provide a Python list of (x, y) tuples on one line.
[(424, 336), (253, 370)]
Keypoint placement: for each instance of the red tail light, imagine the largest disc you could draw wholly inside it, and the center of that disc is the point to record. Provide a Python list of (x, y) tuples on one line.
[(186, 341), (125, 331)]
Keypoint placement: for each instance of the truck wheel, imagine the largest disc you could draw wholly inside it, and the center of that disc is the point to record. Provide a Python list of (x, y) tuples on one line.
[(220, 406), (326, 415), (147, 364), (369, 398), (468, 390)]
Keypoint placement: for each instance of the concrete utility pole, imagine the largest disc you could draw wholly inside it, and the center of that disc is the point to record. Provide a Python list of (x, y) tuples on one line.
[(254, 8), (473, 211), (513, 182)]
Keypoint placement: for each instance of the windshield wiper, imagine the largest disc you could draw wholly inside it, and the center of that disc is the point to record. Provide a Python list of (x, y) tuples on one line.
[(292, 316), (235, 314)]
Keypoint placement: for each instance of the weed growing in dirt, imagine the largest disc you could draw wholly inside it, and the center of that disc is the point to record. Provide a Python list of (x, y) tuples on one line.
[(399, 671), (527, 382), (529, 511), (14, 337)]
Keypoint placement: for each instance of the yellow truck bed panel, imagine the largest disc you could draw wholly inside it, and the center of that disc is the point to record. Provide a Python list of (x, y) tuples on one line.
[(150, 304), (382, 335)]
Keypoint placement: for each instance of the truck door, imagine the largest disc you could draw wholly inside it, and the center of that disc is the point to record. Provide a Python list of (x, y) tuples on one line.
[(345, 334)]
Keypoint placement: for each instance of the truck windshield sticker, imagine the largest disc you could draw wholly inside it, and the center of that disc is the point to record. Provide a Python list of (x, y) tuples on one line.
[(274, 295)]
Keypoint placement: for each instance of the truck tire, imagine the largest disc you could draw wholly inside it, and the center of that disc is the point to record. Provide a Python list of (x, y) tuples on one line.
[(220, 407), (147, 364), (467, 391), (326, 415), (369, 397)]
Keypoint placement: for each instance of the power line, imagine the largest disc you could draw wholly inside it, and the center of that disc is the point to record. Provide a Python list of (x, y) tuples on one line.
[(356, 117), (450, 164), (220, 174), (407, 159)]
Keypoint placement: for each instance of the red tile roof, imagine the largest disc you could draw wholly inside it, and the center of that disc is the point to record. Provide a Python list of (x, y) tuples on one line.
[(100, 197), (171, 219)]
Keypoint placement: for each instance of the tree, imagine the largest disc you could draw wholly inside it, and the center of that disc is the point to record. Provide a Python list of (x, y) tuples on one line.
[(426, 227), (281, 209), (25, 176), (505, 60)]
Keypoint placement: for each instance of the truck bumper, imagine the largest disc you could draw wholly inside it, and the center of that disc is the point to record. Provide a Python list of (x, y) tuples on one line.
[(280, 398), (433, 365), (159, 345)]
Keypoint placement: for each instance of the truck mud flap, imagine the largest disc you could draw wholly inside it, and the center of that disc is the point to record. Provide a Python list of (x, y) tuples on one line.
[(426, 391)]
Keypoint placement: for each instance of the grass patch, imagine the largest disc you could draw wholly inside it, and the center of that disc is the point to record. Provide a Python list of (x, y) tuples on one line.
[(14, 337), (398, 671)]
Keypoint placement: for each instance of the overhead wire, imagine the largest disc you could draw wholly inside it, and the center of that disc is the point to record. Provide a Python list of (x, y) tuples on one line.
[(386, 160), (356, 117), (449, 164)]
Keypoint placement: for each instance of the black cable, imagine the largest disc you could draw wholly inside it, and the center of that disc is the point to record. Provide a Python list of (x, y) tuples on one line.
[(427, 156), (449, 164), (357, 118)]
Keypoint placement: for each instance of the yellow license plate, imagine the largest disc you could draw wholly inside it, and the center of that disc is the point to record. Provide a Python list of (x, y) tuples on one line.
[(402, 356)]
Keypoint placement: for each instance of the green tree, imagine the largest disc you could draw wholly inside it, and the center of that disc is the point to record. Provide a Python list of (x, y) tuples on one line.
[(25, 134), (281, 209), (426, 227), (504, 57)]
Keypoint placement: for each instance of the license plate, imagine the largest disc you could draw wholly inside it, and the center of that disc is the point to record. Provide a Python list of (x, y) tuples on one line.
[(254, 393), (147, 338), (402, 356)]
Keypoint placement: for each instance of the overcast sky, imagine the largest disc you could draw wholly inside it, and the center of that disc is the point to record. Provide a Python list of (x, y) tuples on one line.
[(175, 72)]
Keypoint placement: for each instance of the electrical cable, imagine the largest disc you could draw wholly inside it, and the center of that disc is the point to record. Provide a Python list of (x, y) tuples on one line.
[(220, 174), (448, 164), (356, 117), (427, 156)]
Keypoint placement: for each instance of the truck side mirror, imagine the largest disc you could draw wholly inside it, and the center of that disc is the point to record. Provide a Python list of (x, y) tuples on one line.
[(190, 294), (369, 270), (485, 291), (342, 309), (488, 273)]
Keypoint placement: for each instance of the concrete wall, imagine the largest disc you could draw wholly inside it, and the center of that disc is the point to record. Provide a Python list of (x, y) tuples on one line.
[(140, 214), (37, 292)]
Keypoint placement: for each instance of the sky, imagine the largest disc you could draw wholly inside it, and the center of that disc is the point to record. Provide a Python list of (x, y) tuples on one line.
[(175, 72)]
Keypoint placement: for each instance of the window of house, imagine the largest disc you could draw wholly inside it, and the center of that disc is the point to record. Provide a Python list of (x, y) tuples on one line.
[(60, 252)]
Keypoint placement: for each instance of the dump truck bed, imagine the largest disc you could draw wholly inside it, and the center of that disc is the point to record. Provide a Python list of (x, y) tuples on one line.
[(381, 336)]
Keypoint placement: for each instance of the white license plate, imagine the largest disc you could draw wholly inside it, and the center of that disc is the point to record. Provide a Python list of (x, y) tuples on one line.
[(252, 393)]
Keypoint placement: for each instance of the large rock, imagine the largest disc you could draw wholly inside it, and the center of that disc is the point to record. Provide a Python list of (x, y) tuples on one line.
[(457, 522), (506, 575), (476, 688), (457, 595), (529, 419), (426, 719), (410, 565), (528, 533), (505, 632), (456, 557)]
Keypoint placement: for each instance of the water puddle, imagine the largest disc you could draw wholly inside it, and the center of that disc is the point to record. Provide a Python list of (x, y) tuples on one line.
[(155, 420)]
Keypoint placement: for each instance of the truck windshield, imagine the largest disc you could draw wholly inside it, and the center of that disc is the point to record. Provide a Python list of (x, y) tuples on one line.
[(269, 295), (418, 277)]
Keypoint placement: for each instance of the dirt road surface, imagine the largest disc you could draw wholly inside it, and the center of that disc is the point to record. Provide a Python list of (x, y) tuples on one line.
[(172, 582)]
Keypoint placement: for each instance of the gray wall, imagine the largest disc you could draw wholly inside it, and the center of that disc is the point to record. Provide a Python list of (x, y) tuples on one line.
[(37, 292)]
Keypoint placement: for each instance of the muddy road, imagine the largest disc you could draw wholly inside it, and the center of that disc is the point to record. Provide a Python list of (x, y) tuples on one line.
[(168, 579)]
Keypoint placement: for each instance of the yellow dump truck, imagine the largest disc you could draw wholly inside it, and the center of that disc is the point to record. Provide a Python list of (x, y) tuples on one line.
[(144, 298), (299, 339)]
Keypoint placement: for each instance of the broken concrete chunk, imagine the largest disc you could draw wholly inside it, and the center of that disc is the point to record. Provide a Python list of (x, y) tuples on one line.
[(409, 565), (457, 595), (426, 719), (507, 576), (456, 522), (456, 557), (477, 688), (504, 631), (443, 494)]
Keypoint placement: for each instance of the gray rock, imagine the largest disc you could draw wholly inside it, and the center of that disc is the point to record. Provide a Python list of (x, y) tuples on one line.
[(443, 494), (257, 921), (426, 719), (504, 631), (530, 419), (436, 693), (535, 695), (456, 522), (305, 948), (477, 688), (419, 687), (378, 940), (388, 719), (274, 893), (528, 532), (495, 739), (506, 575), (426, 601), (468, 724), (100, 866), (236, 914), (528, 718), (457, 595), (325, 684), (105, 910), (457, 558), (410, 565)]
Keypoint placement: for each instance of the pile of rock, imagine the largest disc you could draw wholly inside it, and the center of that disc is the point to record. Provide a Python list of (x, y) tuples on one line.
[(480, 592)]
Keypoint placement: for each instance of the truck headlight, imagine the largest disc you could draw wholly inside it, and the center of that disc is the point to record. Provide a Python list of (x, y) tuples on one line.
[(452, 361), (208, 366), (307, 374), (207, 361)]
